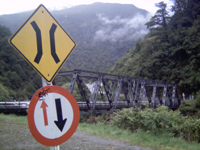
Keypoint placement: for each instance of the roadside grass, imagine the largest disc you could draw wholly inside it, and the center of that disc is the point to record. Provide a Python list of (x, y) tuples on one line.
[(139, 138), (18, 119), (15, 134)]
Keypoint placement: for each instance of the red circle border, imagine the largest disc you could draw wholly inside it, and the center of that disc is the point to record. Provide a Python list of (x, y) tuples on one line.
[(41, 139)]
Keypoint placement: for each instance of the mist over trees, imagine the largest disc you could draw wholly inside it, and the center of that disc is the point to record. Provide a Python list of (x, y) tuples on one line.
[(102, 31), (170, 52)]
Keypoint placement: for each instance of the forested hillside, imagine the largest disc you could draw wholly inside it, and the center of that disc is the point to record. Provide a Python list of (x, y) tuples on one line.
[(103, 32), (17, 78), (171, 50)]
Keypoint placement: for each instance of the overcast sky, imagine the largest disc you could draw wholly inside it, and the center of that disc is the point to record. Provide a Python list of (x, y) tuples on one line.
[(14, 6)]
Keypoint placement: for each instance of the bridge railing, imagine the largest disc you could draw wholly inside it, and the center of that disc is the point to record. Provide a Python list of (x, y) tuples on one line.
[(14, 107)]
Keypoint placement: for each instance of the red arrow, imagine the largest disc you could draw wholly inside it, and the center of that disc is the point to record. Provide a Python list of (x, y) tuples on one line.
[(43, 106)]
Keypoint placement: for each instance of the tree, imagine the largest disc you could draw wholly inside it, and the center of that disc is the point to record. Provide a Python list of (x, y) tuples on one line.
[(190, 8), (15, 80), (4, 31), (4, 94), (161, 18), (179, 5)]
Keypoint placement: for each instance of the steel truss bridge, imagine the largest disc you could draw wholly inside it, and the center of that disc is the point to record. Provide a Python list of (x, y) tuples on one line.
[(109, 92), (97, 92)]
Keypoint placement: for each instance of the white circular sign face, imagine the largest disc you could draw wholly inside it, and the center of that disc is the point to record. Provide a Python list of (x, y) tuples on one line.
[(53, 115)]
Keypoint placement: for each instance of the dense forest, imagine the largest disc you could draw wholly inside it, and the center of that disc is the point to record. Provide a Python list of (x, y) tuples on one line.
[(17, 78), (170, 52)]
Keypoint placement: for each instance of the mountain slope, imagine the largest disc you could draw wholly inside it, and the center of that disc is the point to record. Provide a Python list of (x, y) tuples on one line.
[(103, 32), (168, 52)]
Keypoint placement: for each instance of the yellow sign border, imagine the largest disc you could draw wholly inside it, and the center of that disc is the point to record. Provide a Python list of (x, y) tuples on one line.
[(18, 30)]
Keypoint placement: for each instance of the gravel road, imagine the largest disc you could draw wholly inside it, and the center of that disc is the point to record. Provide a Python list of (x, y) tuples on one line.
[(85, 141), (16, 136)]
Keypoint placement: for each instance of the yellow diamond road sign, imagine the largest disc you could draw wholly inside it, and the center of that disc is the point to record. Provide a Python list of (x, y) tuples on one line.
[(43, 42)]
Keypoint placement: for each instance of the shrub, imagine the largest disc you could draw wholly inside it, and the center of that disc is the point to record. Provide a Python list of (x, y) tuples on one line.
[(191, 107), (158, 121)]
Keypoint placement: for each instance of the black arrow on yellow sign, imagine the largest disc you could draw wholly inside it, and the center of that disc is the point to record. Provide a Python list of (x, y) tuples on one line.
[(39, 42), (52, 41)]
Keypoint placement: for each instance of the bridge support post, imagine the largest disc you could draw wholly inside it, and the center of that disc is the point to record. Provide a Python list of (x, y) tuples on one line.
[(164, 95), (137, 94), (173, 95), (125, 89), (113, 87), (94, 95), (153, 97), (82, 91), (130, 93), (142, 94), (159, 97), (107, 92), (117, 94), (73, 81), (148, 95)]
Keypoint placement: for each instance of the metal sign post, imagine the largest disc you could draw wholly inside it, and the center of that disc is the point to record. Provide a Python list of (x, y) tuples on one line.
[(55, 147), (44, 83)]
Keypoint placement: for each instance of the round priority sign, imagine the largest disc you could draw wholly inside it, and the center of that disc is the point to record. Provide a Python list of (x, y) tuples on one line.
[(53, 115)]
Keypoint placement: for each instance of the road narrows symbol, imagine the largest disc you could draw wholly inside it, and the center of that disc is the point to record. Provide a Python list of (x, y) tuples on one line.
[(43, 43), (60, 123), (43, 106), (39, 42), (52, 41)]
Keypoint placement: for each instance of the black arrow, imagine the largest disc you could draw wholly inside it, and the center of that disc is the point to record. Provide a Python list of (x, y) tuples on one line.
[(52, 41), (39, 42), (60, 123)]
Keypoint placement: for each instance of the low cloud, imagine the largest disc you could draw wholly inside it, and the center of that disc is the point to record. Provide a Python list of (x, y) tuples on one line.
[(122, 29)]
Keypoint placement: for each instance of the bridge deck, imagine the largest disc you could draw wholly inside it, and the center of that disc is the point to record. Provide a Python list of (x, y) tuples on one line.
[(100, 107)]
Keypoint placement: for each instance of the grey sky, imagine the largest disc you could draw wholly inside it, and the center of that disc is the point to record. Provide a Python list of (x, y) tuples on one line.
[(13, 6)]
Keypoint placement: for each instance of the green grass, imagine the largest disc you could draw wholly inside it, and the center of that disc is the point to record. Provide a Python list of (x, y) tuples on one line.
[(139, 138), (15, 134), (18, 119)]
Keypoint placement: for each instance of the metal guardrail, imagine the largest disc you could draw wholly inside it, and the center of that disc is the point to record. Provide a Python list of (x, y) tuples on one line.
[(19, 107)]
